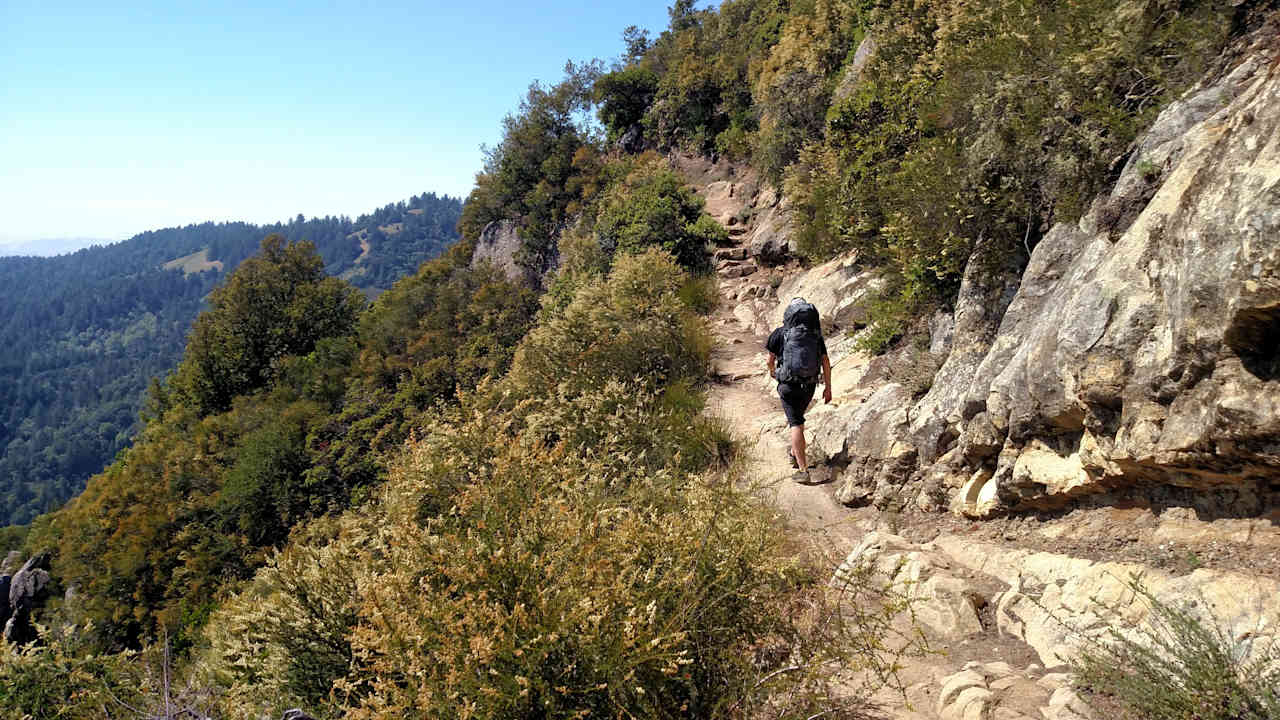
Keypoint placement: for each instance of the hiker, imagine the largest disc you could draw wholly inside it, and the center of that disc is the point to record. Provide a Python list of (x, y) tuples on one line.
[(796, 351)]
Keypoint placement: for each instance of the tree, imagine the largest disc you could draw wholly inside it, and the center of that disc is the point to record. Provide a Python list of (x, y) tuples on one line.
[(276, 304)]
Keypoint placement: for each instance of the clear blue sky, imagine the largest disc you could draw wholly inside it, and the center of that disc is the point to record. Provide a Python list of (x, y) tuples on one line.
[(121, 117)]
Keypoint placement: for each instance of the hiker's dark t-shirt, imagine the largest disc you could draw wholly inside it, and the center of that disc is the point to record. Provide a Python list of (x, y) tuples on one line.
[(795, 396)]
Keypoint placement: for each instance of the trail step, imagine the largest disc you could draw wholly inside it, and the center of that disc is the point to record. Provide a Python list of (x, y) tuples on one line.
[(738, 231), (731, 270), (733, 253)]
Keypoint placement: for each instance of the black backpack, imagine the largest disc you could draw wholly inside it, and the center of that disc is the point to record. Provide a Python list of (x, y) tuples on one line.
[(801, 333)]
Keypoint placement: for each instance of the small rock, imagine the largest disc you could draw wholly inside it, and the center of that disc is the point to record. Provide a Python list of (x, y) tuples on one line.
[(737, 271), (1054, 681), (1066, 704), (997, 668), (969, 705), (956, 684), (733, 253), (1004, 683)]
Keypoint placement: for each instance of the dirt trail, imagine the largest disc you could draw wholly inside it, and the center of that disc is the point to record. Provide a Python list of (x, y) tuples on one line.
[(744, 395)]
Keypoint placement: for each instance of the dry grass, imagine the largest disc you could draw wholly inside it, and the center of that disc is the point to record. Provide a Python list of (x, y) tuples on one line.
[(194, 264)]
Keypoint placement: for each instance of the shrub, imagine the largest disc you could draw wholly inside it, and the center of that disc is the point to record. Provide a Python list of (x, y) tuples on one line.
[(652, 207), (565, 542), (1181, 665), (701, 293), (631, 326), (282, 641), (277, 303), (61, 680)]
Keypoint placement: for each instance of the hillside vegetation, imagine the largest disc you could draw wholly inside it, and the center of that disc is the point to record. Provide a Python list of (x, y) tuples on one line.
[(84, 333), (961, 127), (466, 500)]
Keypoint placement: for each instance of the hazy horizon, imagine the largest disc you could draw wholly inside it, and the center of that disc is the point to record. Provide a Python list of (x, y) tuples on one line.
[(50, 247)]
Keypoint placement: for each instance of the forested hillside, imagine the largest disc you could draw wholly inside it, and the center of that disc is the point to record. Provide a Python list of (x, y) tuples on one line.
[(464, 499), (81, 335)]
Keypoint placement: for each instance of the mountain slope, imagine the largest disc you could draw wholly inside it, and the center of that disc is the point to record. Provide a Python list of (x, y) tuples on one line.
[(82, 334)]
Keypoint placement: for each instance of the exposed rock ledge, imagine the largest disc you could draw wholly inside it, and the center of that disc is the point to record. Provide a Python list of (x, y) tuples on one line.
[(1056, 604)]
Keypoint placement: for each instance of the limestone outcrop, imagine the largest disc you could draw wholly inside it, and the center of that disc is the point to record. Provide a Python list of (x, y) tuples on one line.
[(22, 592), (1057, 604), (501, 245), (1141, 345)]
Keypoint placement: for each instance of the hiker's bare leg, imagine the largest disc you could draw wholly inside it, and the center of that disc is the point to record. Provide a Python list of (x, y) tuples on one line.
[(797, 445)]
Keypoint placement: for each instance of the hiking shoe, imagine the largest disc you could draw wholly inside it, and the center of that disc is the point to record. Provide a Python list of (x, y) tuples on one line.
[(792, 457), (800, 477)]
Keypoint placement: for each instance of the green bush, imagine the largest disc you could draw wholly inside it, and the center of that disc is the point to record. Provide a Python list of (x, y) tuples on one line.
[(1183, 666), (652, 207), (701, 293), (62, 678)]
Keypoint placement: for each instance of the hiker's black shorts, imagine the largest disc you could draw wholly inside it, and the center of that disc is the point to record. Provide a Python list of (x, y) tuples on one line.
[(795, 400)]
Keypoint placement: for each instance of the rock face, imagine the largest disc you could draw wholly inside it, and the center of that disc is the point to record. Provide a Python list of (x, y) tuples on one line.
[(500, 245), (1139, 348), (1142, 345), (22, 590)]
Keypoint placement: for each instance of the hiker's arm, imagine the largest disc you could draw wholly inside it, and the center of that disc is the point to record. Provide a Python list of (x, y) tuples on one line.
[(826, 378), (773, 359)]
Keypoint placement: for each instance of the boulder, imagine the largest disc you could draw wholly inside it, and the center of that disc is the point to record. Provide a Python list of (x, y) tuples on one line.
[(773, 239), (24, 592), (852, 75), (632, 141)]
